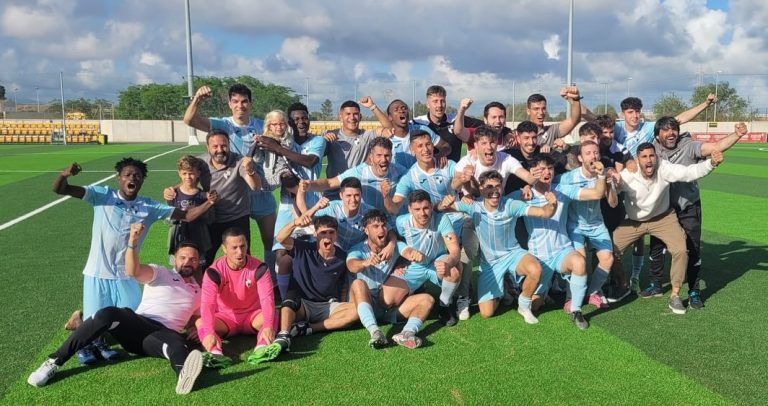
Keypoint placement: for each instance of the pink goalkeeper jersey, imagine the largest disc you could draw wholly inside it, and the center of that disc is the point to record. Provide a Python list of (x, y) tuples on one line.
[(237, 292)]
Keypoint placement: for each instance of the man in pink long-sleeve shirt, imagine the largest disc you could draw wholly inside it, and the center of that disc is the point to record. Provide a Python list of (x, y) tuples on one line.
[(237, 299)]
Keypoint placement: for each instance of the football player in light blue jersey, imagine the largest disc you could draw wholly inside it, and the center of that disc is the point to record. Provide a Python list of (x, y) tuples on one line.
[(105, 282), (378, 168), (401, 129), (494, 219), (435, 251), (380, 292), (242, 128), (549, 240), (585, 220)]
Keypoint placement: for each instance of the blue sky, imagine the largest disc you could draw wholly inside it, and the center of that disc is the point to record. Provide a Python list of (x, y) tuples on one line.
[(389, 49)]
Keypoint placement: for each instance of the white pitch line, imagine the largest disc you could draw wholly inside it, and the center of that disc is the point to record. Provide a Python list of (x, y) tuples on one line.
[(55, 202)]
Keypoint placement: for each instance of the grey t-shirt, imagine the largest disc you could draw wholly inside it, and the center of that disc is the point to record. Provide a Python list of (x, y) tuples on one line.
[(548, 134), (687, 152), (346, 152), (229, 182)]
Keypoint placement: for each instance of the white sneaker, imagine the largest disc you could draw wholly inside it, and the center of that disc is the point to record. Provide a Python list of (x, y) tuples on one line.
[(527, 315), (41, 376), (462, 307), (189, 372)]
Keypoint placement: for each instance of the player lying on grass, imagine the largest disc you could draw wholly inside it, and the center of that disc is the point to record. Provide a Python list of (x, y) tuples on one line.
[(494, 219), (238, 298), (105, 282), (171, 297), (648, 210), (380, 292)]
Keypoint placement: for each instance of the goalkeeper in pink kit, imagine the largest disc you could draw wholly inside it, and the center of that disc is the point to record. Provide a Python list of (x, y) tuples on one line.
[(237, 298)]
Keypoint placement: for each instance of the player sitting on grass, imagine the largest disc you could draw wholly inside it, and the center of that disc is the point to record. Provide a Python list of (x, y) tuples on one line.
[(313, 297), (549, 240), (105, 282), (380, 292), (585, 220), (238, 298), (170, 299), (434, 253), (494, 219)]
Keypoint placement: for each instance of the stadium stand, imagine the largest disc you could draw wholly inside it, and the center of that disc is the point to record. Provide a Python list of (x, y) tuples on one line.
[(25, 132)]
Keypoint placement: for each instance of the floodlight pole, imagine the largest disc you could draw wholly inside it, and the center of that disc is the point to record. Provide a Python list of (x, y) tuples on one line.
[(192, 138), (63, 113), (717, 80), (569, 74)]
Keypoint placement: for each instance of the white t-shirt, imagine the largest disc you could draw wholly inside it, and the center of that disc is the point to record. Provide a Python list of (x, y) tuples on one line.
[(505, 164), (169, 299)]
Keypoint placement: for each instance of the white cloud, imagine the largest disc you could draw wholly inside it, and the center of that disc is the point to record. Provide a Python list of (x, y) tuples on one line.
[(30, 23), (150, 59), (95, 73), (552, 47)]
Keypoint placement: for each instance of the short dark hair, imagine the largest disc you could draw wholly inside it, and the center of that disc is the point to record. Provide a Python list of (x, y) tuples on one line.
[(644, 146), (326, 221), (349, 103), (298, 106), (586, 143), (539, 158), (492, 105), (535, 98), (214, 133), (233, 232), (418, 134), (490, 175), (588, 127), (186, 244), (605, 121), (382, 142), (130, 161), (631, 103), (418, 196), (484, 131), (527, 127), (666, 123), (389, 106), (352, 182), (374, 215), (241, 89), (436, 90)]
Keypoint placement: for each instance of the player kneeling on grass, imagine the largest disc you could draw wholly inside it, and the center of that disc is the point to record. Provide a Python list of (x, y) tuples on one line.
[(313, 298), (170, 299), (238, 298), (379, 292), (495, 218), (434, 251)]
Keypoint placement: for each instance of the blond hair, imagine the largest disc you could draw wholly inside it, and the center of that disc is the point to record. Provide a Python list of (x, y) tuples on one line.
[(274, 116)]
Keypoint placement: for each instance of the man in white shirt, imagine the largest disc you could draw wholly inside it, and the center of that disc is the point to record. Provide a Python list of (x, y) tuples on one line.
[(648, 210)]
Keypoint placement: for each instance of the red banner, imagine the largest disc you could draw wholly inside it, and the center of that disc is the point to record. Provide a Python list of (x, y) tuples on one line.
[(714, 137)]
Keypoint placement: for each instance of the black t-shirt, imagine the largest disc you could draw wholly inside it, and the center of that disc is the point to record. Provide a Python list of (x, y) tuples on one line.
[(445, 130), (320, 280)]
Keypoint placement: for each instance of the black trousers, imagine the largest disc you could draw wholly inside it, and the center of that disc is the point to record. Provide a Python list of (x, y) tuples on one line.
[(690, 221), (217, 229), (137, 334)]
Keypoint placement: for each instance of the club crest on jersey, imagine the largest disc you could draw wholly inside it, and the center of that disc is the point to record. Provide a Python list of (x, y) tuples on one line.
[(248, 283)]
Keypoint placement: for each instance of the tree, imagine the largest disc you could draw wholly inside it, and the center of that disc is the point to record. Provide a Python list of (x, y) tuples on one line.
[(419, 109), (521, 114), (600, 110), (326, 110), (169, 101), (2, 92), (730, 106), (669, 105)]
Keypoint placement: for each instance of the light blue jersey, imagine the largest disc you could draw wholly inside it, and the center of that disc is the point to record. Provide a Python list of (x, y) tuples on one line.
[(314, 145), (549, 236), (372, 183), (112, 219), (632, 140), (240, 137), (428, 241), (350, 230), (375, 275), (401, 146), (584, 214), (437, 183), (496, 229)]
